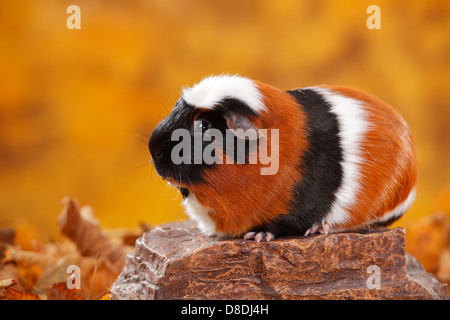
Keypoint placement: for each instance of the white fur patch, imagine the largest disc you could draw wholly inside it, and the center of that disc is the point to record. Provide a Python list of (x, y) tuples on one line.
[(211, 90), (353, 125), (199, 214), (398, 211)]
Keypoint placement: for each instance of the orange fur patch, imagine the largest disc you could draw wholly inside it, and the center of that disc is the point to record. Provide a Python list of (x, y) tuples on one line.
[(240, 196)]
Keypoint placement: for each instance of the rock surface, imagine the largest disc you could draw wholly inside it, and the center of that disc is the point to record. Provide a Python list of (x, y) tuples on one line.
[(175, 261)]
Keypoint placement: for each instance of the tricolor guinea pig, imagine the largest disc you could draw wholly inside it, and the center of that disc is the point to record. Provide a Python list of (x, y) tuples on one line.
[(340, 159)]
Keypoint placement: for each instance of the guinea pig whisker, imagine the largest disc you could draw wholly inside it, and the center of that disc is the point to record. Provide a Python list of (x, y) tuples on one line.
[(141, 134), (176, 196), (140, 166), (161, 104)]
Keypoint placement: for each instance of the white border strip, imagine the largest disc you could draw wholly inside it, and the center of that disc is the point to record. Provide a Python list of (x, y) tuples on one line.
[(353, 125), (213, 89)]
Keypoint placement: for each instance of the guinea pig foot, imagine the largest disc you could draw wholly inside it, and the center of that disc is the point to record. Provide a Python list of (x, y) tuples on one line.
[(259, 237), (322, 228)]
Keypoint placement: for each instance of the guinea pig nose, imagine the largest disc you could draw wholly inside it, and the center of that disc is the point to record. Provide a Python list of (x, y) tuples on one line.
[(155, 148)]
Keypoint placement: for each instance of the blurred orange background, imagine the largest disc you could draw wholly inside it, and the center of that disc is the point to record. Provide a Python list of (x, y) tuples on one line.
[(78, 106)]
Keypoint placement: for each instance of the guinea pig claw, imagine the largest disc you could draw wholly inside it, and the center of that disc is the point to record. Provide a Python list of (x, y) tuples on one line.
[(322, 228), (264, 236), (325, 228), (269, 236), (259, 237), (249, 235)]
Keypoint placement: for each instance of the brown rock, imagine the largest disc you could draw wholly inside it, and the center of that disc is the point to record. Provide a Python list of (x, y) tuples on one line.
[(175, 261)]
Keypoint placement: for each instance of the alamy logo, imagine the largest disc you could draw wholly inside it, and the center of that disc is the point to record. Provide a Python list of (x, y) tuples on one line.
[(74, 280), (374, 280), (374, 20), (74, 20), (248, 141)]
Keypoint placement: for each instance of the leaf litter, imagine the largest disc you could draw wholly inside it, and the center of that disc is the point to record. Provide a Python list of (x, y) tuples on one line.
[(34, 268)]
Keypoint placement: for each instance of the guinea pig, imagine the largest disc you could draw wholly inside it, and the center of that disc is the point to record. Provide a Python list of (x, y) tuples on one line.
[(345, 161)]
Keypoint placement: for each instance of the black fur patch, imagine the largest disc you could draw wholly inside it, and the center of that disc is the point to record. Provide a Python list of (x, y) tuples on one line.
[(386, 223), (314, 194), (160, 146), (236, 106), (181, 116), (184, 192)]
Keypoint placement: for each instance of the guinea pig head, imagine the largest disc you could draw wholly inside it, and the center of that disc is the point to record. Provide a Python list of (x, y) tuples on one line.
[(197, 136), (216, 146)]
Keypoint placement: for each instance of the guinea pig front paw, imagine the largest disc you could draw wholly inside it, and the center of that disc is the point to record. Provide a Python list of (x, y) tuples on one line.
[(322, 228), (259, 236)]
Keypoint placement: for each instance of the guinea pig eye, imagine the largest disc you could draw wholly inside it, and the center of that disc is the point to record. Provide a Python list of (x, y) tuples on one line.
[(201, 125)]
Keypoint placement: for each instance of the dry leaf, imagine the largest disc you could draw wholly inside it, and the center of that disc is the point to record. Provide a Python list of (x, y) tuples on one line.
[(125, 236), (28, 237), (13, 294), (30, 275), (106, 297), (427, 237), (10, 270), (53, 274), (99, 280), (25, 258), (7, 283), (60, 291), (88, 237), (443, 272), (42, 267), (7, 235)]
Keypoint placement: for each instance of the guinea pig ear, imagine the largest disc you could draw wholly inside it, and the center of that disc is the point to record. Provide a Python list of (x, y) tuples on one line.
[(240, 125)]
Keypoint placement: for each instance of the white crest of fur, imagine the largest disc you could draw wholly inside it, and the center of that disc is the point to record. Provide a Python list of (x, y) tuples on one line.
[(199, 214), (213, 89), (353, 125)]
